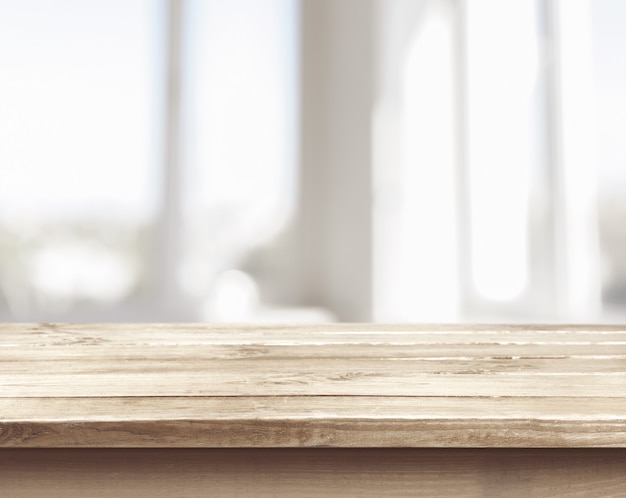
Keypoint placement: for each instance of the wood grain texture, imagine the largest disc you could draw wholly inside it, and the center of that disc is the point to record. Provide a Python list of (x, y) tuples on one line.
[(312, 472), (340, 385)]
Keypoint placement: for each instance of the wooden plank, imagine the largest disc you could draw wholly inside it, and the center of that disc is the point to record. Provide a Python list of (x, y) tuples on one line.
[(341, 385), (309, 382), (406, 350), (313, 472), (313, 422), (161, 362), (76, 335), (308, 407), (329, 328)]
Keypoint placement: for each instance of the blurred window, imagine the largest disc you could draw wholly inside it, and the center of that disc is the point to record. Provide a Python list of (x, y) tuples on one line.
[(100, 154), (501, 170), (609, 84), (78, 88), (148, 153), (240, 132)]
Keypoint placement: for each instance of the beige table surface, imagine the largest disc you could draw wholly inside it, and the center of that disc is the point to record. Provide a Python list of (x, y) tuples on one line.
[(363, 404)]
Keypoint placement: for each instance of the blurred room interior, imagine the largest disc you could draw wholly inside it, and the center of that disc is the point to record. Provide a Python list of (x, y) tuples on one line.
[(313, 160)]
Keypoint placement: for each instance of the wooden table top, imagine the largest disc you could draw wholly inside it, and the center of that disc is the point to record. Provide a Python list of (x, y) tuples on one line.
[(339, 385)]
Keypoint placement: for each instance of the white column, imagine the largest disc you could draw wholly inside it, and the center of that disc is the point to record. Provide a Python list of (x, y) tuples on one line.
[(335, 225)]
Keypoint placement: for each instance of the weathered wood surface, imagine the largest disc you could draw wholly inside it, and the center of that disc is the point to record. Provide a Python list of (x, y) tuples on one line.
[(340, 385), (337, 472)]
